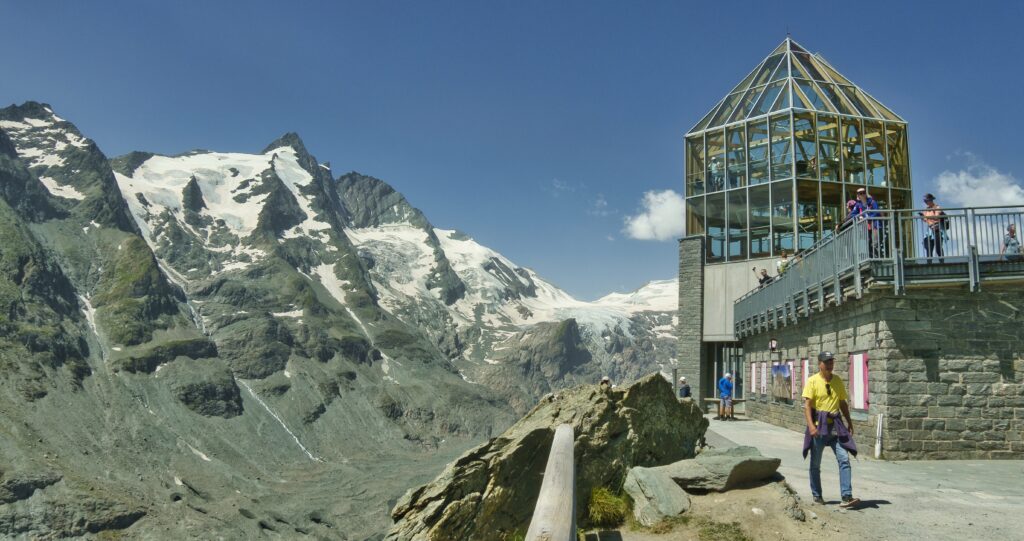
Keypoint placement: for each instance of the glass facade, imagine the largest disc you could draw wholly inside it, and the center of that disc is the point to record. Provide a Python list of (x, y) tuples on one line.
[(771, 167)]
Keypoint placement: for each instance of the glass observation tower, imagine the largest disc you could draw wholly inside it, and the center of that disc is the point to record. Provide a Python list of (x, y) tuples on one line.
[(771, 167)]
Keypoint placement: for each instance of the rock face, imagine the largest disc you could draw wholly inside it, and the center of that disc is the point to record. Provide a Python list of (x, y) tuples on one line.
[(490, 491), (655, 497), (721, 469)]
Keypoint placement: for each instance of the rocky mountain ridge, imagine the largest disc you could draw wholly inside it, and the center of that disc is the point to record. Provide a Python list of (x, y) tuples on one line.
[(239, 344)]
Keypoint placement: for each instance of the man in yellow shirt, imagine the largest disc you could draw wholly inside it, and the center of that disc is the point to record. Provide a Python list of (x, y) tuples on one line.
[(824, 399)]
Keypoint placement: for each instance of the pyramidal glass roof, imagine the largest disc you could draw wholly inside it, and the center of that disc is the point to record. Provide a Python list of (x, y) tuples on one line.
[(790, 77)]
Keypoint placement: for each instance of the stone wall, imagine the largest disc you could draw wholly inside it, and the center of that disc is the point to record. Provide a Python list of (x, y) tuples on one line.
[(690, 350), (946, 367)]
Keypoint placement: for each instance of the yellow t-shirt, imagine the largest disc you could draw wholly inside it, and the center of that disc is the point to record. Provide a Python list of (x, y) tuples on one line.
[(821, 399)]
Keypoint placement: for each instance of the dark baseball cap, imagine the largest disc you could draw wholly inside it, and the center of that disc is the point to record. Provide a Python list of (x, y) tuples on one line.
[(826, 356)]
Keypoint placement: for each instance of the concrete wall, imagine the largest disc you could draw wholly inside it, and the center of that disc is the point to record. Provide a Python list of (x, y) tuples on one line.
[(723, 284), (946, 367)]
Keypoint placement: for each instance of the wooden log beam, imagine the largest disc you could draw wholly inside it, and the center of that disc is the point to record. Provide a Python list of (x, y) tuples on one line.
[(554, 518)]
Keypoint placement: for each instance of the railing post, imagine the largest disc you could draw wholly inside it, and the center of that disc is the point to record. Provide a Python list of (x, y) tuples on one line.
[(554, 517), (973, 269), (857, 286), (898, 278)]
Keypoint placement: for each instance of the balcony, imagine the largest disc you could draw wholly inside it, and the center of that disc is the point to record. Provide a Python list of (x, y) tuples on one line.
[(890, 249)]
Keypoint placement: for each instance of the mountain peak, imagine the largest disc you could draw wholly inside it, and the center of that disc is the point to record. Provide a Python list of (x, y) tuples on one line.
[(29, 109), (373, 202), (290, 139)]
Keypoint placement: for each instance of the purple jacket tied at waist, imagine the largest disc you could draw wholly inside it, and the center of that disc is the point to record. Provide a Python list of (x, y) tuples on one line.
[(842, 433)]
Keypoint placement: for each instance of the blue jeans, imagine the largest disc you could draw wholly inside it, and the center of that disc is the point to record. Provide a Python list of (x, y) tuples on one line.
[(818, 445)]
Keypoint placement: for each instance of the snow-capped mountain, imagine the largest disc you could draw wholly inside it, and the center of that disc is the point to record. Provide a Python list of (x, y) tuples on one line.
[(184, 328)]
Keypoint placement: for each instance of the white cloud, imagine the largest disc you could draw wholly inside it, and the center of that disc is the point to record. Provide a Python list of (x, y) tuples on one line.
[(661, 218), (978, 185), (600, 207), (558, 187)]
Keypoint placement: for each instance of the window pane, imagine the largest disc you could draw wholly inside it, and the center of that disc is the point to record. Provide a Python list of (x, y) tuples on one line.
[(782, 155), (806, 147), (901, 199), (856, 100), (781, 72), (828, 147), (757, 132), (814, 95), (760, 221), (807, 219), (695, 165), (768, 98), (830, 92), (805, 61), (746, 104), (833, 207), (716, 160), (874, 153), (726, 110), (853, 151), (767, 70), (715, 220), (737, 225), (695, 216), (782, 216), (896, 143), (736, 157)]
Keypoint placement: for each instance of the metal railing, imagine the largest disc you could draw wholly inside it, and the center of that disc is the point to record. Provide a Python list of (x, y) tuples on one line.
[(554, 517), (887, 248)]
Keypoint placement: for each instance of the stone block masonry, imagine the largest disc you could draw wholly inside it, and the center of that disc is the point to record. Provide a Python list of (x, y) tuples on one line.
[(945, 366), (690, 350)]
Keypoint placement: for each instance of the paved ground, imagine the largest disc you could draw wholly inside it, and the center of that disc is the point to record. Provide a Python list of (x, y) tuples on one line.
[(926, 499)]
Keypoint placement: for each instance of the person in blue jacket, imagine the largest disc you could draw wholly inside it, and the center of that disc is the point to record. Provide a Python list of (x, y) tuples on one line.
[(684, 388), (725, 398)]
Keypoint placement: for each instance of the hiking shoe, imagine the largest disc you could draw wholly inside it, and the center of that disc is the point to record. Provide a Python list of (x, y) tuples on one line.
[(819, 500), (849, 501)]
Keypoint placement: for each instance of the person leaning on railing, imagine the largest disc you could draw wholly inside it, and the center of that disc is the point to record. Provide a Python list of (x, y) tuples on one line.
[(934, 218), (1011, 245), (866, 208)]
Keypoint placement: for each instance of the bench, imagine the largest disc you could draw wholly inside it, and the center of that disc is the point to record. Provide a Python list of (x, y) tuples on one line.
[(718, 401)]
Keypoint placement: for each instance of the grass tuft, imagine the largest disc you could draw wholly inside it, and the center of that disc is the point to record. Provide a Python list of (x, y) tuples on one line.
[(607, 509)]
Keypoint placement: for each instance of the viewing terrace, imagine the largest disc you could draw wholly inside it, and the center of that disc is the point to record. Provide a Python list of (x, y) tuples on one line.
[(895, 249)]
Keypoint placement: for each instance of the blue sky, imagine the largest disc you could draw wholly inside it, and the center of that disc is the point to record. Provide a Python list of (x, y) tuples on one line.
[(538, 128)]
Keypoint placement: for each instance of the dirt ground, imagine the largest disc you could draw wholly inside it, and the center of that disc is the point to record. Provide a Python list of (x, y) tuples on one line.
[(756, 513)]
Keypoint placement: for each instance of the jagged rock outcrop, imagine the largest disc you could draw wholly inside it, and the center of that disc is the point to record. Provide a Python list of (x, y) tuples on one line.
[(373, 203), (490, 491), (721, 469), (655, 497), (547, 356)]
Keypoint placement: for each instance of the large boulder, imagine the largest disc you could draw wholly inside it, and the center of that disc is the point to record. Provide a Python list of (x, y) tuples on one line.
[(490, 491), (721, 469), (656, 496)]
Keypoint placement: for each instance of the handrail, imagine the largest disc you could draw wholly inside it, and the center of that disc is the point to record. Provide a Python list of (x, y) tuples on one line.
[(882, 247), (554, 517)]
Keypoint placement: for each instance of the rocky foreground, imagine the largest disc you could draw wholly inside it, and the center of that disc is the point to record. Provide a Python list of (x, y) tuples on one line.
[(489, 492)]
